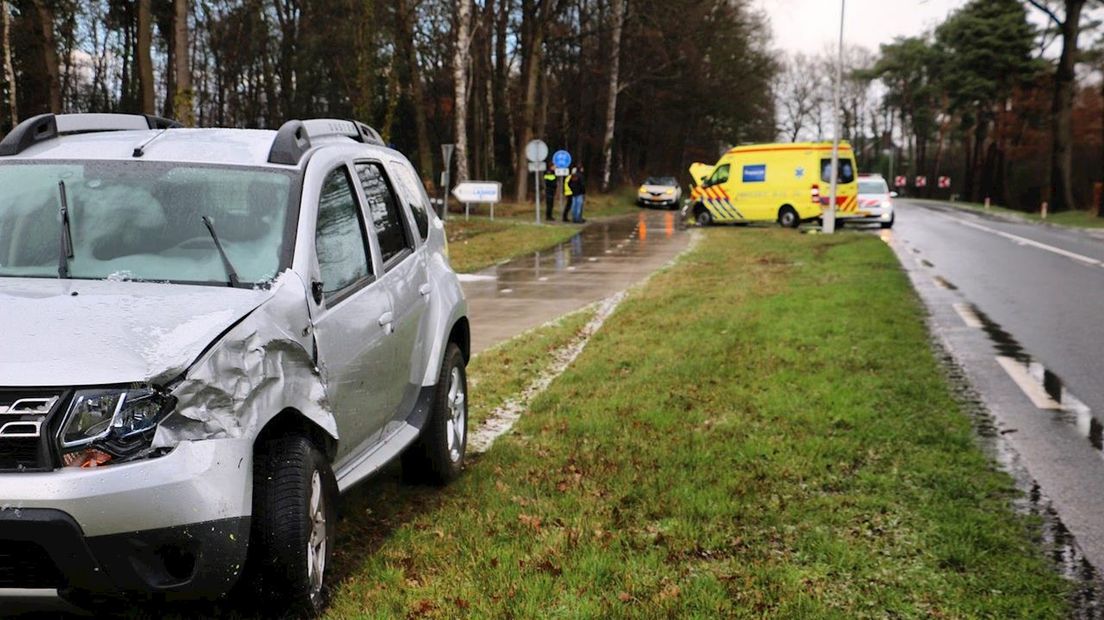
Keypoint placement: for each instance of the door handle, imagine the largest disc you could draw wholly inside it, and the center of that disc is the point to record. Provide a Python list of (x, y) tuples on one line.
[(386, 319), (425, 289)]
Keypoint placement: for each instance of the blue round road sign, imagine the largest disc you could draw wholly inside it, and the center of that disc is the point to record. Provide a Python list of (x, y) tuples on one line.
[(561, 159)]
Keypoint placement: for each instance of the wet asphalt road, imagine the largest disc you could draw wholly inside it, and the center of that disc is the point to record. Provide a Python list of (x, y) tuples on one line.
[(1020, 308), (604, 258)]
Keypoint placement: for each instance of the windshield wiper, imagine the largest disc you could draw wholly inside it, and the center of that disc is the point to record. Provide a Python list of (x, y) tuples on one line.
[(66, 250), (230, 273)]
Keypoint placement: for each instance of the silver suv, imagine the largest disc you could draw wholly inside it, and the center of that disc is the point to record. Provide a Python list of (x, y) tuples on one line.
[(208, 334)]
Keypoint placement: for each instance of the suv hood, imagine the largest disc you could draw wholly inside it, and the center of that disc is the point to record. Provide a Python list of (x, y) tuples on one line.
[(96, 332)]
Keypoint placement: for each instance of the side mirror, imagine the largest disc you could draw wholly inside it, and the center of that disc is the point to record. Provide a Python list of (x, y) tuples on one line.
[(316, 292), (893, 194)]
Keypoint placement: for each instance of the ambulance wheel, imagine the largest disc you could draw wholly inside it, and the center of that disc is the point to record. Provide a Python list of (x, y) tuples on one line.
[(788, 218), (704, 217)]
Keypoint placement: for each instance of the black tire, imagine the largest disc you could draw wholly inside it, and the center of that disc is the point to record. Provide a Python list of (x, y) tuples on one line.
[(704, 217), (288, 470), (839, 224), (889, 224), (437, 456), (788, 218)]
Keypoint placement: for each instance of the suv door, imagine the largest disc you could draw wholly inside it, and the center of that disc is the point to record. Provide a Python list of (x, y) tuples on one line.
[(403, 277), (351, 319)]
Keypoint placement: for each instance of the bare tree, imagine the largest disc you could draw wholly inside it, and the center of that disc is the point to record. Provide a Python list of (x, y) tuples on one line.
[(9, 69), (143, 53), (618, 8), (460, 86), (183, 104), (800, 95), (49, 53), (1061, 118)]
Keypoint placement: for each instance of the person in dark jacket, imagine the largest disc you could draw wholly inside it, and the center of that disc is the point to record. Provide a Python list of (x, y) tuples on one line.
[(549, 192), (578, 195)]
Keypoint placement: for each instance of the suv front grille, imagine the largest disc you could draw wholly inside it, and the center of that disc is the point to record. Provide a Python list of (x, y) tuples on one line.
[(26, 565), (25, 416)]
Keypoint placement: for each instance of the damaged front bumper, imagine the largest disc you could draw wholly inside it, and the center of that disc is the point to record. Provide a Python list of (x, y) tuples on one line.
[(178, 524)]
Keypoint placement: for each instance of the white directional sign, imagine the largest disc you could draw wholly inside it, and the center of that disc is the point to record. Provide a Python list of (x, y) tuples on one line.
[(478, 191)]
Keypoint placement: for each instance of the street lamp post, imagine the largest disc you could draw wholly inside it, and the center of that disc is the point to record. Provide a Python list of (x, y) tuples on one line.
[(830, 213)]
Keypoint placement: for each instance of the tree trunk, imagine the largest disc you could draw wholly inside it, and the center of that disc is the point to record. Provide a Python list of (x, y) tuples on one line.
[(183, 98), (614, 89), (144, 57), (460, 86), (9, 69), (1061, 119), (404, 23), (49, 54), (532, 55)]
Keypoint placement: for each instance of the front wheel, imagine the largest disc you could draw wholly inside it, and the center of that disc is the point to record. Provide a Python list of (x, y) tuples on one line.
[(438, 454), (704, 217), (889, 224), (293, 525)]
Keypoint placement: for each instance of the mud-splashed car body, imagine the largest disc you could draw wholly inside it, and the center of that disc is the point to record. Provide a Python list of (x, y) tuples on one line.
[(209, 333)]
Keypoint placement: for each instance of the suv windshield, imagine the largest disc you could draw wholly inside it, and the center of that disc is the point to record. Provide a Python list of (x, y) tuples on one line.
[(873, 186), (144, 221)]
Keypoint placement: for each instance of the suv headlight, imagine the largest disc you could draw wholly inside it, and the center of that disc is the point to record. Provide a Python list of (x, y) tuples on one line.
[(111, 425)]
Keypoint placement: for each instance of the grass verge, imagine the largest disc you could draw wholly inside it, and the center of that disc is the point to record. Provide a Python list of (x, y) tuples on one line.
[(505, 370), (750, 434), (478, 243), (1071, 219)]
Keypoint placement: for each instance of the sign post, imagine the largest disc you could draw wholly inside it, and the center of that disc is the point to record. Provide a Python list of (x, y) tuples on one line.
[(479, 192), (446, 154), (536, 152)]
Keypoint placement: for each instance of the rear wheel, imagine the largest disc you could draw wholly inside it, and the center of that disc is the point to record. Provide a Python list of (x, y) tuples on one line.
[(438, 454), (704, 216), (293, 525), (788, 218)]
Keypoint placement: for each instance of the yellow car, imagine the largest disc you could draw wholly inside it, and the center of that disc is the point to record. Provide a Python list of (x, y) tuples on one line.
[(785, 183)]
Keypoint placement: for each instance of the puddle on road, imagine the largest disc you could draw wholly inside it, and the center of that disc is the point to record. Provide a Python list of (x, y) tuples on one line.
[(597, 246)]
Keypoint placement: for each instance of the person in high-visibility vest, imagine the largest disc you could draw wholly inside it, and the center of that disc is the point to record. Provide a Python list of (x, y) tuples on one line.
[(549, 192), (567, 195)]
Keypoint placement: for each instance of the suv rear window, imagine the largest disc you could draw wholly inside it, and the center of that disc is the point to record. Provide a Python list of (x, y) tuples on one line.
[(846, 170)]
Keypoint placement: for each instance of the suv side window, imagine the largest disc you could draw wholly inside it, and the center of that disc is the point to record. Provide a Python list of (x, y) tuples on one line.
[(719, 176), (392, 230), (339, 239), (414, 193)]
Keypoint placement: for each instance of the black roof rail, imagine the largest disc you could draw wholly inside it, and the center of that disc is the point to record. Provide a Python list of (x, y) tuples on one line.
[(28, 133), (49, 126), (293, 139)]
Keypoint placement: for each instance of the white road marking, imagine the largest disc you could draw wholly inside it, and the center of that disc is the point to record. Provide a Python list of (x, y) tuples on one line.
[(969, 317), (471, 277), (1030, 387), (1081, 258)]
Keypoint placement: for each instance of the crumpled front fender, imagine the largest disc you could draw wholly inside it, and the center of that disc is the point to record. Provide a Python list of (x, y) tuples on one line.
[(260, 367)]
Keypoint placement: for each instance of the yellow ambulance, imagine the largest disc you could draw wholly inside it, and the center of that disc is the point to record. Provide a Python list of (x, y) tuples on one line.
[(785, 183)]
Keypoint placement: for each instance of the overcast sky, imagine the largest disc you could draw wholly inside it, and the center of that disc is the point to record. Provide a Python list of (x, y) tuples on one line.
[(811, 25)]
